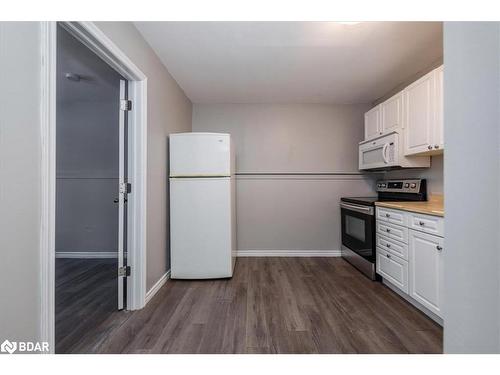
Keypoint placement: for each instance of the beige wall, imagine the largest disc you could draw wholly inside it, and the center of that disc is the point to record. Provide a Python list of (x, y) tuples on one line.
[(434, 175), (472, 243), (169, 111), (288, 138), (19, 181), (285, 211)]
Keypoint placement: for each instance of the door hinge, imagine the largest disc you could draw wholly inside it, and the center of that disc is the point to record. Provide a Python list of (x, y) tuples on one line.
[(124, 271), (125, 105), (125, 188)]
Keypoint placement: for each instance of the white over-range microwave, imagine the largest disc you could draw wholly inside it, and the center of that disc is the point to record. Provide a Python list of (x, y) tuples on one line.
[(386, 152)]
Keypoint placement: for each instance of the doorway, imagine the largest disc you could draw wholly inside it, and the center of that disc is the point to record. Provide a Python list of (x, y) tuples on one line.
[(136, 167), (92, 188)]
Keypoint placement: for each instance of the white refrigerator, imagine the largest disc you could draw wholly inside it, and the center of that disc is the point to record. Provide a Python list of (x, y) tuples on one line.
[(202, 206)]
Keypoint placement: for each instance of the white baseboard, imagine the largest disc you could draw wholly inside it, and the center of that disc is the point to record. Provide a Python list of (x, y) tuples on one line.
[(155, 288), (288, 253), (87, 254)]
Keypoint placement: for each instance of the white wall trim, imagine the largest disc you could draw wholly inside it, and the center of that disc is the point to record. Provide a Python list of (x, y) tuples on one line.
[(157, 286), (305, 176), (91, 36), (87, 254), (288, 253), (48, 44)]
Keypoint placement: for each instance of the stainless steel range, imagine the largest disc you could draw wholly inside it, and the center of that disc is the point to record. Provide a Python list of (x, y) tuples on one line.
[(358, 220)]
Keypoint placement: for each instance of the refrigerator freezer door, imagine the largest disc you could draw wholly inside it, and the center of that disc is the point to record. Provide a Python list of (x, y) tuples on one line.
[(201, 228), (200, 155)]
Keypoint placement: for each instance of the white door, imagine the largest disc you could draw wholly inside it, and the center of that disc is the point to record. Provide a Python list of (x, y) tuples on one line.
[(123, 190), (426, 270), (200, 154), (201, 227), (438, 122), (419, 116), (392, 113), (372, 123)]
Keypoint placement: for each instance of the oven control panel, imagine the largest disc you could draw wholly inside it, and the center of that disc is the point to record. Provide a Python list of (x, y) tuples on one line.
[(401, 186)]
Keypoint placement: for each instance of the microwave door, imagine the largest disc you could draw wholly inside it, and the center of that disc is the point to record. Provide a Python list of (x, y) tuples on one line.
[(373, 157), (379, 153)]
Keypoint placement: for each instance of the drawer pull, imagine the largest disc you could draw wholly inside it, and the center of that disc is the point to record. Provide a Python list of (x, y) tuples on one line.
[(421, 223), (388, 245), (387, 255), (439, 248), (387, 215), (387, 230)]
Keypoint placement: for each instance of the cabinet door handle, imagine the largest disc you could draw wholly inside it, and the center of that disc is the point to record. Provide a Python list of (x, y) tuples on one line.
[(421, 223), (387, 230), (436, 146), (387, 255), (387, 215), (429, 147), (388, 245), (439, 248)]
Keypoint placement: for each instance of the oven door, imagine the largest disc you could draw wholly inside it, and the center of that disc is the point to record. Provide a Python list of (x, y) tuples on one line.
[(358, 229)]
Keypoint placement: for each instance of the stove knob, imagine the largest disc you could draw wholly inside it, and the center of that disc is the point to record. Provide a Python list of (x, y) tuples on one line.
[(384, 185), (413, 186), (407, 185), (379, 185)]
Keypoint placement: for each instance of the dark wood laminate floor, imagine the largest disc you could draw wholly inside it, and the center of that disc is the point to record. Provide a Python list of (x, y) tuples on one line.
[(272, 305), (86, 296)]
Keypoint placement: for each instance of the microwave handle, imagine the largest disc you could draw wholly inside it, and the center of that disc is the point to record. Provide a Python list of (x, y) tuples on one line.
[(384, 150)]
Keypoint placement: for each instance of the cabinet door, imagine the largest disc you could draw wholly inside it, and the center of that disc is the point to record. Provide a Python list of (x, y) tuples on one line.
[(372, 123), (391, 113), (393, 269), (438, 122), (426, 270), (419, 116)]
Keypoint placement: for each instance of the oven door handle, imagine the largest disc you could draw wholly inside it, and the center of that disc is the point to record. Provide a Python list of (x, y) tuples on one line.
[(362, 209)]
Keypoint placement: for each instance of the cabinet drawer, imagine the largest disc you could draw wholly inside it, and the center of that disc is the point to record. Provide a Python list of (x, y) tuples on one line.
[(394, 247), (393, 268), (393, 231), (392, 216), (426, 223)]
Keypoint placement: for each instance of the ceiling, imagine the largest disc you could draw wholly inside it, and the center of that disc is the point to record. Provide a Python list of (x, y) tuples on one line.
[(290, 62)]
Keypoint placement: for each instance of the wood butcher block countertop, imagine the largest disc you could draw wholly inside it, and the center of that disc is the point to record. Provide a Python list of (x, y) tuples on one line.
[(434, 206)]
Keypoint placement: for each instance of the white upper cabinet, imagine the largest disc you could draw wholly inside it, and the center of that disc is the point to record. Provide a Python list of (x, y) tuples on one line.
[(372, 123), (391, 113), (419, 115), (438, 124), (384, 118), (423, 114), (416, 113)]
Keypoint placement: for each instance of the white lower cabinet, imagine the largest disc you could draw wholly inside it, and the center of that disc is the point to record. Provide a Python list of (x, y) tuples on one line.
[(426, 270), (410, 256)]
